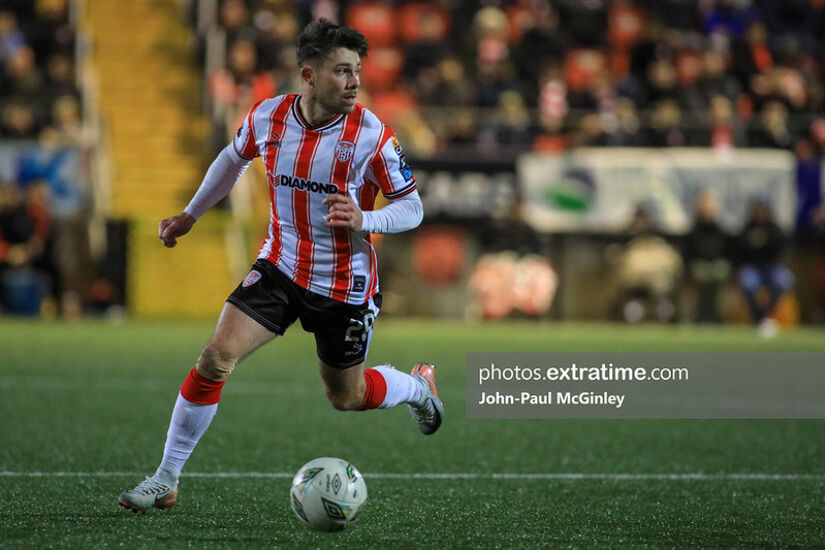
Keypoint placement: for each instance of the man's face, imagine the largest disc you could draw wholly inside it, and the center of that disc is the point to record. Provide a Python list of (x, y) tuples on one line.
[(337, 80)]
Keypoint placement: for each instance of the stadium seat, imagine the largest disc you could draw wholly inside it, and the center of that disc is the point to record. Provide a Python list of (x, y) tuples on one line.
[(439, 254), (376, 20), (625, 25), (424, 22), (390, 106), (381, 69)]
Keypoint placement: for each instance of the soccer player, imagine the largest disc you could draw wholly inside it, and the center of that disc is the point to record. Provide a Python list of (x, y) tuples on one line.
[(326, 158)]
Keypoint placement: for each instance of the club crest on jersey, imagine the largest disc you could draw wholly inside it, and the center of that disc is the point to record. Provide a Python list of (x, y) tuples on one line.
[(344, 151), (253, 277)]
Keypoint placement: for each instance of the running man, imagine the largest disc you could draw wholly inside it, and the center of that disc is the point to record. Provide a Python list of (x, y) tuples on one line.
[(326, 159)]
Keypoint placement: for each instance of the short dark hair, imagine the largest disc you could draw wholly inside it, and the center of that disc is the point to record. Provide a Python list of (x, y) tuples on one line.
[(321, 37)]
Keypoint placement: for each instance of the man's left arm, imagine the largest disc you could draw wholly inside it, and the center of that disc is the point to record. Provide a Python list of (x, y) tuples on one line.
[(401, 214)]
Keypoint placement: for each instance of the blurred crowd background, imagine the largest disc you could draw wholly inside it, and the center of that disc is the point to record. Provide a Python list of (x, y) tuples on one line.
[(472, 89), (504, 76)]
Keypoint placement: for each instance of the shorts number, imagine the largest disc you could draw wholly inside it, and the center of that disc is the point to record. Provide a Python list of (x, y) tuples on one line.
[(359, 330)]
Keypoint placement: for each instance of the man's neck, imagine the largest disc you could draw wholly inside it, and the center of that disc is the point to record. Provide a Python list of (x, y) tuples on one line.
[(312, 111)]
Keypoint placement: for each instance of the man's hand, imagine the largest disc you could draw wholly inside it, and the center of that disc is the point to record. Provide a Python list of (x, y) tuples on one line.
[(174, 227), (343, 212)]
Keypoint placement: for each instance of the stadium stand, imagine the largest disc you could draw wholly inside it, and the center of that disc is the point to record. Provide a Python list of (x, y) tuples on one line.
[(547, 75)]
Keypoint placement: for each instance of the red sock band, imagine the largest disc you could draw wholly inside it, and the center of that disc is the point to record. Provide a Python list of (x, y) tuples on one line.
[(376, 390), (201, 390)]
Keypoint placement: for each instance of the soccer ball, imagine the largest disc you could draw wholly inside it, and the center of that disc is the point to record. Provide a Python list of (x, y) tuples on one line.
[(327, 494)]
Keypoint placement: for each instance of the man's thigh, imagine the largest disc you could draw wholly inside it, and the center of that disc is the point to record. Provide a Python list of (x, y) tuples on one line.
[(267, 296), (236, 334), (260, 308)]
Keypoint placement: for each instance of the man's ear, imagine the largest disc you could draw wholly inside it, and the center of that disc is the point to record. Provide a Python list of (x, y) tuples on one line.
[(307, 75)]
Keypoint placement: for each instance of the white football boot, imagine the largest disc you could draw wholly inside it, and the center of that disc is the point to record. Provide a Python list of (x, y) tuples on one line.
[(149, 492), (428, 412)]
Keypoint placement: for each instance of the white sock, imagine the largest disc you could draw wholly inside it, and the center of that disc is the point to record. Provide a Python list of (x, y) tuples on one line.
[(189, 422), (401, 387)]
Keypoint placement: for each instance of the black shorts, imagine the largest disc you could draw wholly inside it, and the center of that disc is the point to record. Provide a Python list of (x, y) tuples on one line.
[(342, 331)]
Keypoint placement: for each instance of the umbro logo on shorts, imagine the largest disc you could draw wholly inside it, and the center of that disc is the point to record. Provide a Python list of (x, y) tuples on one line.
[(253, 277)]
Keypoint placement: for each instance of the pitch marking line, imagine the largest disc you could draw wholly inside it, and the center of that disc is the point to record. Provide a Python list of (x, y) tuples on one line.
[(534, 476)]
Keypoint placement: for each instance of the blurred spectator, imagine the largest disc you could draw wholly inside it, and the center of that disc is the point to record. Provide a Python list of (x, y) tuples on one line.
[(715, 79), (794, 22), (454, 88), (542, 42), (495, 71), (235, 20), (661, 81), (589, 132), (11, 38), (808, 187), (242, 82), (725, 130), (276, 32), (679, 15), (817, 133), (666, 129), (66, 122), (627, 131), (772, 127), (762, 276), (727, 17), (586, 22), (60, 76), (27, 270), (751, 54), (17, 120), (646, 271), (49, 31), (509, 125), (706, 254), (37, 206), (23, 77), (424, 29), (503, 283)]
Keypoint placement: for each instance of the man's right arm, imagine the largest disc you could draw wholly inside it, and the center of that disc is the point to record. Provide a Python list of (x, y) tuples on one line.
[(219, 180)]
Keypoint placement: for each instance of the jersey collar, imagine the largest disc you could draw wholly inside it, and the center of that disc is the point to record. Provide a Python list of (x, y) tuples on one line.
[(296, 113)]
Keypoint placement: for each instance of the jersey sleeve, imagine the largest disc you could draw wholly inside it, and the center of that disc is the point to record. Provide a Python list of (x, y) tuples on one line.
[(389, 168), (245, 142)]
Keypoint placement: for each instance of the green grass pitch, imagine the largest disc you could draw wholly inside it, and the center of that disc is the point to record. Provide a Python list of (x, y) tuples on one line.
[(95, 398)]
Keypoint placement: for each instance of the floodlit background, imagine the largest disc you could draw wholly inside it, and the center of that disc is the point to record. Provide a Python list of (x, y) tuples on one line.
[(597, 175)]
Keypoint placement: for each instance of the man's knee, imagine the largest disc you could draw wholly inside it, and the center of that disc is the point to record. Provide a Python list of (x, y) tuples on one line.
[(215, 364)]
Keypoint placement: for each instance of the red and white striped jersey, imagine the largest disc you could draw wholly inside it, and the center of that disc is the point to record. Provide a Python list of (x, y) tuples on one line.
[(354, 154)]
